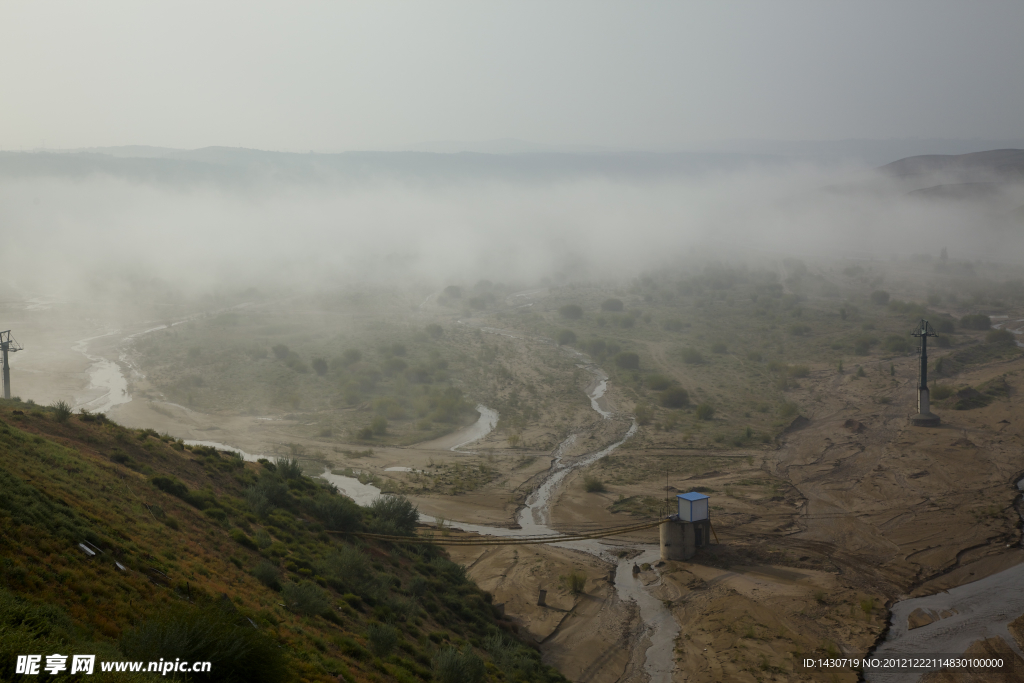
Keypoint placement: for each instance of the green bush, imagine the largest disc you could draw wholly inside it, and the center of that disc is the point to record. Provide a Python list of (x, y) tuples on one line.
[(574, 581), (319, 366), (289, 468), (571, 311), (945, 326), (895, 343), (676, 397), (941, 392), (336, 512), (381, 638), (592, 484), (239, 537), (612, 305), (566, 337), (798, 371), (628, 360), (704, 411), (170, 485), (643, 413), (61, 410), (452, 666), (379, 425), (719, 347), (1000, 337), (880, 297), (268, 574), (659, 382), (976, 321), (306, 598), (238, 653), (257, 501), (394, 515), (692, 356)]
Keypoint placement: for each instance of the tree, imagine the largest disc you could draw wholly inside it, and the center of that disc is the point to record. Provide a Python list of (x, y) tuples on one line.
[(676, 397), (351, 357), (571, 311), (705, 411), (627, 360), (612, 305), (976, 321), (643, 413), (379, 425), (320, 366), (435, 330), (280, 351), (880, 297), (566, 337)]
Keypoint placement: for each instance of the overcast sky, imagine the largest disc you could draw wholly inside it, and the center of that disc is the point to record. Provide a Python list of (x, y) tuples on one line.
[(335, 76)]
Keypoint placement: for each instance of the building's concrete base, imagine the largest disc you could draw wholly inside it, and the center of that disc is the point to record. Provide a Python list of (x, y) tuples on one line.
[(680, 540), (925, 420)]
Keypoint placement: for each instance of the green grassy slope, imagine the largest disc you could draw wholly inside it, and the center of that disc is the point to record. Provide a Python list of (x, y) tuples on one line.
[(200, 555)]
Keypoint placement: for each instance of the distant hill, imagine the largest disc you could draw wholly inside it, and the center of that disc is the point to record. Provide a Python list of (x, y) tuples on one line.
[(233, 165), (997, 164)]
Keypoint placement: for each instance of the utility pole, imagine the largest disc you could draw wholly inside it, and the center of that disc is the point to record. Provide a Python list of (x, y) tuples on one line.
[(924, 417), (7, 345)]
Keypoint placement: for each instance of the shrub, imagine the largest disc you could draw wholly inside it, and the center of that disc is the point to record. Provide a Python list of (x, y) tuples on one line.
[(672, 325), (351, 357), (945, 326), (337, 513), (659, 382), (289, 468), (239, 537), (257, 501), (941, 392), (306, 598), (895, 343), (718, 347), (574, 581), (61, 410), (170, 485), (268, 574), (592, 484), (799, 330), (379, 425), (943, 342), (692, 356), (263, 539), (381, 638), (628, 360), (453, 666), (566, 337), (862, 345), (704, 411), (280, 351), (999, 337), (319, 366), (880, 297), (612, 305), (798, 371), (676, 397), (643, 413), (434, 330), (238, 653), (976, 321), (571, 311), (394, 515), (754, 356)]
